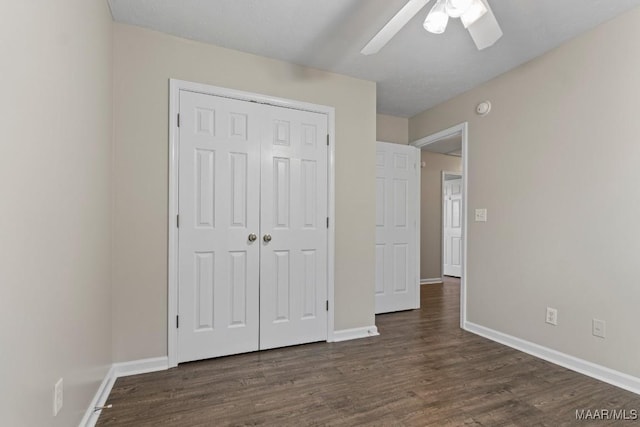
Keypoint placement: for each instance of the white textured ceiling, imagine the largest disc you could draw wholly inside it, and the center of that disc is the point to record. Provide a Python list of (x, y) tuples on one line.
[(415, 71)]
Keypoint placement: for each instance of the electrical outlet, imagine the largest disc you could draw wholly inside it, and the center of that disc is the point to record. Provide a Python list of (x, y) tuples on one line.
[(57, 397), (599, 328), (552, 316), (481, 215)]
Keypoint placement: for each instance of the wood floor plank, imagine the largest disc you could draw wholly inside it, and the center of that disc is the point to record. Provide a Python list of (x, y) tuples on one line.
[(423, 370)]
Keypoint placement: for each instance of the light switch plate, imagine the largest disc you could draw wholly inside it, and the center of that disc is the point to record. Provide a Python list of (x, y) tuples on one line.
[(481, 215), (599, 328)]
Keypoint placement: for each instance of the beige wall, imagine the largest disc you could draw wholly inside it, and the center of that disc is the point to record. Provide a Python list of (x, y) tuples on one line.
[(431, 211), (392, 129), (55, 231), (556, 165), (144, 63)]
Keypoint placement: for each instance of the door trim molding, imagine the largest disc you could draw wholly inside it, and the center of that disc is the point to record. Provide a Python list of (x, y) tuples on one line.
[(175, 86), (463, 130)]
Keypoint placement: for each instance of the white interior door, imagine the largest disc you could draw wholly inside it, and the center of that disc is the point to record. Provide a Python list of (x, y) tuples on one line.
[(250, 169), (219, 208), (397, 213), (293, 278), (452, 222)]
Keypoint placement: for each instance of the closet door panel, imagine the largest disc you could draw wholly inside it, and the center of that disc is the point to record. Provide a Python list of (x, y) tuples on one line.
[(293, 279), (219, 185)]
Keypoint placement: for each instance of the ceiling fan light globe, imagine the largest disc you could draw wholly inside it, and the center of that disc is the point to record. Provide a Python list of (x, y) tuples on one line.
[(456, 8), (475, 12), (437, 19), (436, 23)]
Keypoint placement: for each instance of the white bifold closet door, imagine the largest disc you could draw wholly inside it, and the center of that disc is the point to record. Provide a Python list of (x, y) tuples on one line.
[(250, 169), (397, 213)]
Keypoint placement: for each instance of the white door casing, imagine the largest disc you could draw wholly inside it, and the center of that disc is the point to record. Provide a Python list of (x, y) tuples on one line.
[(461, 130), (397, 213), (247, 168), (452, 227), (293, 291)]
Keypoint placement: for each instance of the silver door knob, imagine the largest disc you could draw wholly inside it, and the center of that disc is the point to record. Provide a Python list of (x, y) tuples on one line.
[(267, 238), (252, 237)]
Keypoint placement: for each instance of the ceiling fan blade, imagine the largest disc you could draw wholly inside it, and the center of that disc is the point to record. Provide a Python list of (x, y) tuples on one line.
[(486, 30), (393, 26)]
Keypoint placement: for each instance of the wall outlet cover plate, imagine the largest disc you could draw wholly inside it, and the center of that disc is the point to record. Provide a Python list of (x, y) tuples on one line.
[(481, 215)]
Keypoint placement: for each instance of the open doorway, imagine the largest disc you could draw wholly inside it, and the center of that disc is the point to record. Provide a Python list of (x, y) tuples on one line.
[(443, 217)]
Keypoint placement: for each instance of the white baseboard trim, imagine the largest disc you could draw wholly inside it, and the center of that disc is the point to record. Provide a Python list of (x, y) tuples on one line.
[(432, 281), (355, 333), (599, 372), (91, 416), (116, 371), (142, 366)]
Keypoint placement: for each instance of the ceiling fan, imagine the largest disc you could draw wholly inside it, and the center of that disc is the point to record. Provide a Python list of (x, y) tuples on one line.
[(476, 16)]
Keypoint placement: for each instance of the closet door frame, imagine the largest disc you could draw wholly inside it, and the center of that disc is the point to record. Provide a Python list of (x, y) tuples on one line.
[(175, 86)]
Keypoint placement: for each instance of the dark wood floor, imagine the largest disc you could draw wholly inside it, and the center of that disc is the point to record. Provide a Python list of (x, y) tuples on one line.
[(421, 371)]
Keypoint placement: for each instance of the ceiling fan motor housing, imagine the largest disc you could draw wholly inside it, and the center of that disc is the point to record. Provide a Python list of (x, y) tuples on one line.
[(456, 8)]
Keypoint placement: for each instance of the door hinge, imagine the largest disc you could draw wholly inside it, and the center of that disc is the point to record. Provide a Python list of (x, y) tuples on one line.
[(327, 305), (327, 139), (178, 221), (177, 321), (178, 119), (327, 222)]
